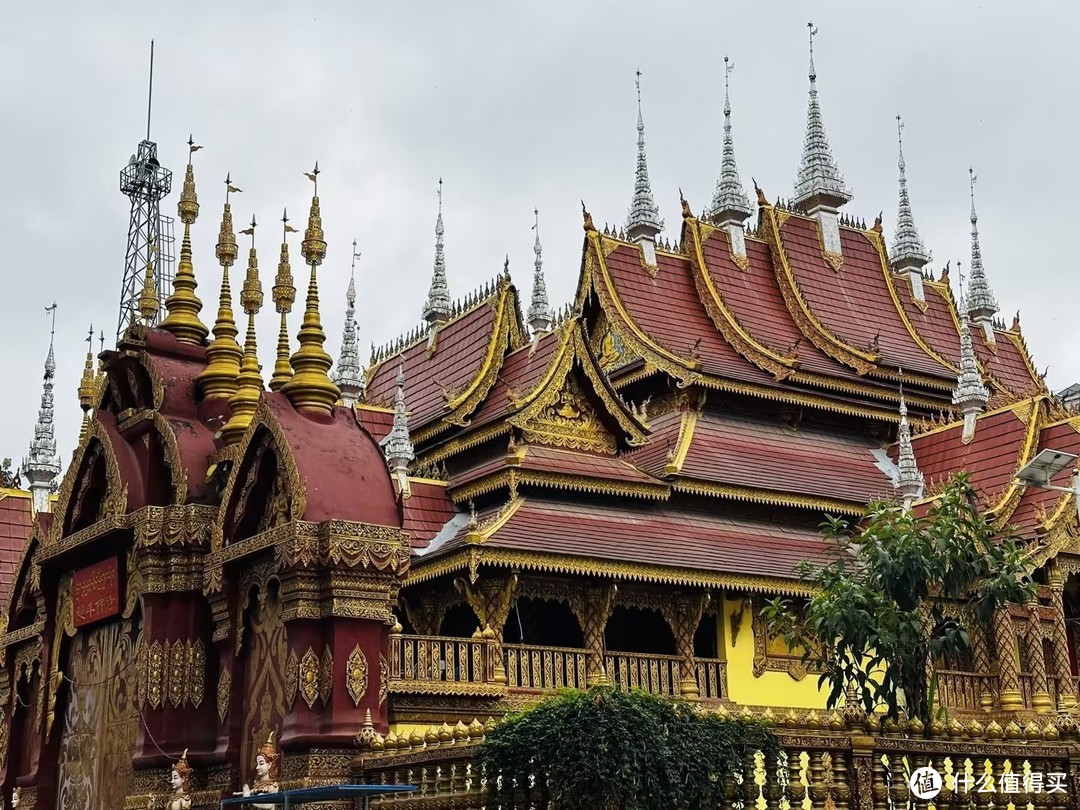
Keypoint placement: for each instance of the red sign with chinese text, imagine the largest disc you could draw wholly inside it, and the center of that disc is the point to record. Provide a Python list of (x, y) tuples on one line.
[(95, 592)]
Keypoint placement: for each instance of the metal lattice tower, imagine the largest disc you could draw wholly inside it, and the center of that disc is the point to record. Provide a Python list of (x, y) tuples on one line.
[(150, 236)]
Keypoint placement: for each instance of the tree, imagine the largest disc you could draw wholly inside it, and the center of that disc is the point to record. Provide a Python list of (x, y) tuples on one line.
[(611, 750), (884, 610)]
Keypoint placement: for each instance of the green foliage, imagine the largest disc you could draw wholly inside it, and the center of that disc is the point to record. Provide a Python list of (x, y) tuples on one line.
[(887, 606), (610, 750)]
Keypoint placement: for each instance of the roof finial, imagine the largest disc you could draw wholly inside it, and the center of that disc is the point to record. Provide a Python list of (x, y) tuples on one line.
[(437, 306), (245, 401), (311, 389), (149, 304), (909, 481), (819, 183), (184, 305), (42, 465), (223, 355), (396, 445), (87, 384), (644, 220), (908, 251), (980, 304), (729, 202), (970, 394), (540, 312), (350, 378), (284, 294)]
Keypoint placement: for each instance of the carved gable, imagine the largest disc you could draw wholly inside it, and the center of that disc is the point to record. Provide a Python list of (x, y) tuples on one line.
[(567, 419)]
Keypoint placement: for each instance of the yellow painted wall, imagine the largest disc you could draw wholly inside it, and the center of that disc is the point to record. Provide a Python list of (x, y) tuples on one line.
[(772, 688)]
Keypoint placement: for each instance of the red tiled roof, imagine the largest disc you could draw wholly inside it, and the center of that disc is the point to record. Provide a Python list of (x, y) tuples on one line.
[(426, 511), (854, 302), (1037, 500), (15, 530), (521, 370), (459, 355), (376, 421), (739, 450), (557, 461), (654, 536)]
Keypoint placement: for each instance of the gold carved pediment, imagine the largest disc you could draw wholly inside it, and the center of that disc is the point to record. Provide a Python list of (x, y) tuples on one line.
[(565, 418)]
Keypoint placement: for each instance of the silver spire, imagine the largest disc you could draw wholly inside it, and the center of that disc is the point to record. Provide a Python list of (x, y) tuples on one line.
[(644, 220), (980, 303), (819, 183), (908, 251), (970, 394), (396, 445), (349, 377), (437, 307), (540, 312), (729, 201), (909, 481), (42, 465)]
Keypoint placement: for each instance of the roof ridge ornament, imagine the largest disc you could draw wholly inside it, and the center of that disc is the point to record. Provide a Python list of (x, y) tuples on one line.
[(349, 377), (397, 446), (540, 312), (42, 464), (244, 403), (184, 305), (970, 394), (980, 303), (643, 220), (284, 295), (909, 481), (908, 252), (437, 306), (729, 202), (819, 183)]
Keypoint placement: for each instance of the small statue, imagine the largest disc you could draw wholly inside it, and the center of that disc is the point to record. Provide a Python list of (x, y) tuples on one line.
[(266, 772), (15, 794), (181, 785)]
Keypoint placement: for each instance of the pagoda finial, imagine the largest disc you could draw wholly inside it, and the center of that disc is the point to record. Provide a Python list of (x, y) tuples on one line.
[(819, 184), (87, 385), (644, 221), (397, 446), (980, 304), (729, 202), (970, 394), (909, 481), (311, 389), (350, 378), (149, 304), (540, 312), (184, 305), (244, 403), (437, 306), (223, 355), (284, 294), (908, 252), (42, 465)]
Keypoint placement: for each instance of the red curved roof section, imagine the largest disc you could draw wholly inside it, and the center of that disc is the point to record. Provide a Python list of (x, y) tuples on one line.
[(754, 298), (1036, 500), (376, 421), (559, 462), (342, 467), (16, 525), (126, 461), (667, 309), (520, 373), (853, 303), (461, 346), (426, 511)]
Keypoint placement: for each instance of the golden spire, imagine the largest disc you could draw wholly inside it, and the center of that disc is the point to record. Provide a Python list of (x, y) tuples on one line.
[(87, 385), (223, 355), (311, 388), (243, 404), (99, 377), (149, 304), (284, 293), (184, 305)]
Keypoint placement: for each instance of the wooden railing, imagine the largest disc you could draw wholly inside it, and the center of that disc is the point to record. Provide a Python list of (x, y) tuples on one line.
[(435, 659), (964, 690), (658, 674), (711, 678), (544, 668)]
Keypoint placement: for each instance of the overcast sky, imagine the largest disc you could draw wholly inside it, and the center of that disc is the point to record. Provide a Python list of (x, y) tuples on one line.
[(514, 105)]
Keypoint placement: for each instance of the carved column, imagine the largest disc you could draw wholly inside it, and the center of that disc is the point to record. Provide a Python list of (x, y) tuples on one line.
[(981, 658), (1060, 642), (1008, 665), (593, 612), (491, 600), (1040, 698), (684, 616)]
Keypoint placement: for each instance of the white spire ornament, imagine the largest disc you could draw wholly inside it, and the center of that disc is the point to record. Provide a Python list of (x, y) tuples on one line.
[(970, 394), (437, 306), (980, 303), (908, 254), (909, 480), (42, 464), (396, 445), (643, 222), (349, 377), (820, 189), (540, 314), (730, 205)]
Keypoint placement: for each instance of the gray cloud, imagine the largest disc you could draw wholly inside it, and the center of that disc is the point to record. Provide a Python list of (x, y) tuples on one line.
[(515, 106)]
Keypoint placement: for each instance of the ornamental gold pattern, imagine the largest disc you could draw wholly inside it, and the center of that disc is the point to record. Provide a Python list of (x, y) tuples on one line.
[(326, 676), (356, 675), (309, 678)]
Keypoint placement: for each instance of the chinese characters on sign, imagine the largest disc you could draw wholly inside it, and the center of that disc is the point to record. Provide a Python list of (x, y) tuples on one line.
[(95, 592), (926, 783)]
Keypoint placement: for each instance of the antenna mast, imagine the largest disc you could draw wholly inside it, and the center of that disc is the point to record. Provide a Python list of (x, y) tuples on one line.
[(145, 182)]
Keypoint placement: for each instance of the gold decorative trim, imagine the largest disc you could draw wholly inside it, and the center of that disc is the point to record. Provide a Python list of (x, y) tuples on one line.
[(466, 689), (356, 675), (764, 496), (292, 679), (687, 425), (309, 678), (326, 676), (513, 477), (224, 692), (171, 451), (770, 661), (114, 501), (384, 679)]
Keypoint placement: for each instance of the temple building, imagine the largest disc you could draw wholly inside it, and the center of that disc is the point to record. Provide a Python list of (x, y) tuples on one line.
[(332, 572)]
